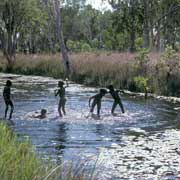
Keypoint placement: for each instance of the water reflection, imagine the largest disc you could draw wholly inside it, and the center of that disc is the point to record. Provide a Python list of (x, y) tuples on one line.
[(61, 138)]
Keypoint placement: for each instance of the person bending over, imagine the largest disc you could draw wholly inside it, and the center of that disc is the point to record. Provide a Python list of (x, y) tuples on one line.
[(97, 101)]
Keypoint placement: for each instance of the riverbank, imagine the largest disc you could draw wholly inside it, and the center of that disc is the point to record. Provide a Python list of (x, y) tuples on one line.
[(155, 73)]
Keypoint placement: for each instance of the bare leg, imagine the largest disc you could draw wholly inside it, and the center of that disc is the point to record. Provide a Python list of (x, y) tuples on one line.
[(12, 109), (59, 109), (60, 114), (121, 106), (63, 108), (6, 110), (113, 107), (92, 107), (98, 108)]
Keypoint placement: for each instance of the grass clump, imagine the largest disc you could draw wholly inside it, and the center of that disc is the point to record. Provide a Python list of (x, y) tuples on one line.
[(19, 162)]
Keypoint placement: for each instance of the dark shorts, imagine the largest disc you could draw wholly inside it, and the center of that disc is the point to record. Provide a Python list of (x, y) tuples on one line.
[(8, 102)]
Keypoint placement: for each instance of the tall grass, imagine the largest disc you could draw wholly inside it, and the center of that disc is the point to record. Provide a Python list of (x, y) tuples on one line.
[(19, 162), (101, 69)]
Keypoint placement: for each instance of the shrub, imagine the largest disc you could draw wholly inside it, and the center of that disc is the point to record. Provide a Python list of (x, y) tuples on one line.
[(71, 45), (168, 72), (141, 83), (85, 47), (138, 43), (141, 62)]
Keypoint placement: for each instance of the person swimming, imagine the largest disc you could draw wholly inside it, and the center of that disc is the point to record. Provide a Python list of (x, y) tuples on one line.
[(62, 101), (7, 99), (42, 115), (97, 101), (117, 99)]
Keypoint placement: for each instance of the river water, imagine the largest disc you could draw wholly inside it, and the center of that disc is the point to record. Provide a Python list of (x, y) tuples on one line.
[(142, 144)]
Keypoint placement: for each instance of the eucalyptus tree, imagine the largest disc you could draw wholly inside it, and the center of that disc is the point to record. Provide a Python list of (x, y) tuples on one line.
[(47, 4), (15, 15), (57, 10), (129, 18), (170, 22)]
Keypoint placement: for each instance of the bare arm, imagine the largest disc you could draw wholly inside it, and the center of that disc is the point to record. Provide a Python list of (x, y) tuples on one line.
[(56, 92), (67, 83), (120, 91), (90, 100)]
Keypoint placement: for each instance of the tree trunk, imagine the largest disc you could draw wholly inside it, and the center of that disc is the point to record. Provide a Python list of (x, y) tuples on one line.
[(61, 38), (9, 48), (145, 25), (132, 27), (158, 37), (152, 39), (50, 41)]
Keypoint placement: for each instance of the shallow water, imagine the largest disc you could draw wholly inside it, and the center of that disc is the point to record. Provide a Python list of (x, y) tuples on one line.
[(142, 144)]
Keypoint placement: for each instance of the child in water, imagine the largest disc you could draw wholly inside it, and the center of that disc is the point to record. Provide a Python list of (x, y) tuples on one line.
[(62, 101), (117, 99), (7, 98), (97, 101), (42, 115)]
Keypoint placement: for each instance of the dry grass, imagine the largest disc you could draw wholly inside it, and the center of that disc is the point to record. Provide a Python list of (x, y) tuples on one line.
[(97, 69)]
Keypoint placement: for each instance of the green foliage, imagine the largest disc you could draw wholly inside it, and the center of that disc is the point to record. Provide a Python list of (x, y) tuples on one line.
[(71, 45), (125, 28), (141, 83), (168, 72), (121, 41), (141, 62), (95, 43), (138, 43), (85, 47)]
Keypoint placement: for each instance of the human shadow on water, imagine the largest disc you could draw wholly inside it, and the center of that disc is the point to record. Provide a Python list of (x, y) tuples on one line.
[(61, 139)]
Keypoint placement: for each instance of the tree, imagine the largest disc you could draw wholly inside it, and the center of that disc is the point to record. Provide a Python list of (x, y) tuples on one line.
[(14, 16), (128, 19), (145, 4), (48, 9), (65, 57)]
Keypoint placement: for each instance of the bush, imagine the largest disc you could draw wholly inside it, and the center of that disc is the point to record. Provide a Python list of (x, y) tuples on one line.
[(168, 73), (141, 83), (85, 47), (138, 43), (121, 41), (141, 62)]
